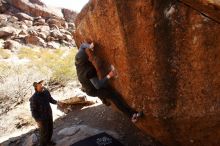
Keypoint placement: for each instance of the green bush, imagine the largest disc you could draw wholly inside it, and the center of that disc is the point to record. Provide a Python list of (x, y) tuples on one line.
[(57, 64), (63, 69)]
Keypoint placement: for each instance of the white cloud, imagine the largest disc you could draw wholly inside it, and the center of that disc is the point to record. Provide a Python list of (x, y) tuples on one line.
[(75, 5)]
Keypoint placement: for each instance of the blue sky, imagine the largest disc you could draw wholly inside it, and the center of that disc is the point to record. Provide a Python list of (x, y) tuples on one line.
[(75, 5)]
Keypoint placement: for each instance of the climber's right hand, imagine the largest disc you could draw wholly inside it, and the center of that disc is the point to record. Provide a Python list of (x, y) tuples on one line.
[(112, 74)]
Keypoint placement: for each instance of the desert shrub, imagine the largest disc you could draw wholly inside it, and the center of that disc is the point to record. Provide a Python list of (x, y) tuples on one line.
[(16, 84), (57, 64), (63, 70), (16, 79), (28, 53)]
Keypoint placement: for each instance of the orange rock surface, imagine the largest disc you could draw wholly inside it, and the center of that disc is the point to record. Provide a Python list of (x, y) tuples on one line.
[(167, 55)]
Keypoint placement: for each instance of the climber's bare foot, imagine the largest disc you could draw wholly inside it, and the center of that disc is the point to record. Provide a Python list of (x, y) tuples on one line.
[(136, 116)]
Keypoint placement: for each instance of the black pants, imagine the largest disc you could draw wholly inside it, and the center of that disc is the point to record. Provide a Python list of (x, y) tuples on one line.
[(115, 97), (46, 131)]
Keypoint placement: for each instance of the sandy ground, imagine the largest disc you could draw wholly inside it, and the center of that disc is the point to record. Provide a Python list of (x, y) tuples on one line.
[(96, 118), (90, 120), (19, 121)]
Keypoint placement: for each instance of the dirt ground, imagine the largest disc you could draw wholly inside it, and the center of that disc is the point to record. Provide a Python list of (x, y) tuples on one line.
[(96, 118)]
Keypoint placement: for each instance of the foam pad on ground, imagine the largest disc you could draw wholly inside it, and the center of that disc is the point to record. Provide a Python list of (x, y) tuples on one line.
[(101, 139)]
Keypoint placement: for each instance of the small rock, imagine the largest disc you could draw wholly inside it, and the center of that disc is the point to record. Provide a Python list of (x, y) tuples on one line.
[(42, 35), (64, 31), (53, 26), (44, 28), (50, 38), (57, 34), (71, 26), (39, 21), (2, 42), (69, 131), (38, 2), (31, 140), (23, 33), (35, 40), (3, 17), (22, 16), (28, 22), (11, 45), (65, 43), (23, 26), (7, 31), (13, 19), (53, 21), (32, 32), (68, 37), (53, 44)]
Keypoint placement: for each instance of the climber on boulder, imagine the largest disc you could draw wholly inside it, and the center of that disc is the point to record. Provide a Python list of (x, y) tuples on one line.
[(93, 86)]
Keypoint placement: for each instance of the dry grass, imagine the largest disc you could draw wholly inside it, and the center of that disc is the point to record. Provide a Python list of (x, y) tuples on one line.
[(55, 66), (4, 54)]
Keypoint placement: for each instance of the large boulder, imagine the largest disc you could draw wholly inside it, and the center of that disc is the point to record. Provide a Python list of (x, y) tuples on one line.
[(36, 9), (39, 2), (42, 35), (22, 34), (42, 28), (56, 22), (7, 32), (13, 19), (28, 23), (31, 140), (22, 16), (35, 40), (57, 34), (53, 45), (4, 6), (69, 15), (168, 62), (4, 17), (11, 45), (38, 21)]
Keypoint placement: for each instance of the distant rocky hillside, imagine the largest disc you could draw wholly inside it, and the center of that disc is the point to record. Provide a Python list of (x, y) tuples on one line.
[(31, 22)]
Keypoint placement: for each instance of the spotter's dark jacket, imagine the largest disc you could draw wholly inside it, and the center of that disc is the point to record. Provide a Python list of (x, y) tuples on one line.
[(40, 105)]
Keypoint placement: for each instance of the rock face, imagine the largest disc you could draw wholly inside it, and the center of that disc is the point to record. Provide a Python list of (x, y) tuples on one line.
[(23, 16), (10, 44), (69, 15), (7, 32), (32, 22), (210, 8), (35, 9), (168, 60), (34, 40)]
